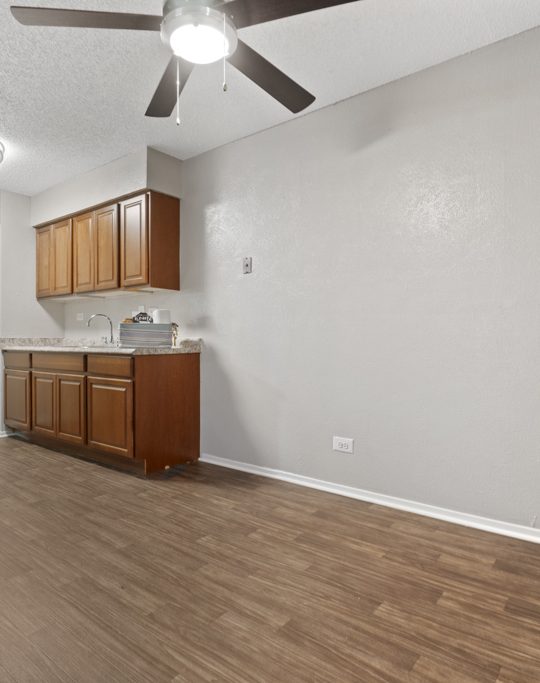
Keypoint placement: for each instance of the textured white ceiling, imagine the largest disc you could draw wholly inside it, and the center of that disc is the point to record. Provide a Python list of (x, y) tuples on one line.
[(73, 99)]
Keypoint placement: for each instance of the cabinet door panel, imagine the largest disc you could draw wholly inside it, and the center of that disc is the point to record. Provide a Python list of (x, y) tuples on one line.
[(106, 247), (61, 258), (110, 415), (71, 408), (83, 253), (134, 241), (17, 399), (43, 261), (44, 403)]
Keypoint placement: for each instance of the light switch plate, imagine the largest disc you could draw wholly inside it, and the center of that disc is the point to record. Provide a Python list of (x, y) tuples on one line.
[(80, 317), (247, 265)]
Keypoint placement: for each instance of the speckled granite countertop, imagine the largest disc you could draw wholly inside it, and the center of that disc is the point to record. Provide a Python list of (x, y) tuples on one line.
[(90, 346)]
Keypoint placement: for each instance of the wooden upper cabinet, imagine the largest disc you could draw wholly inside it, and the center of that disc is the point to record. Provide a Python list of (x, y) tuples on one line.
[(150, 241), (134, 241), (106, 247), (95, 250), (53, 259), (83, 253), (131, 243)]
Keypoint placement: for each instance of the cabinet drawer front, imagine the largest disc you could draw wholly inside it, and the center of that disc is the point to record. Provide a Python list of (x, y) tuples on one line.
[(16, 360), (73, 362), (114, 366)]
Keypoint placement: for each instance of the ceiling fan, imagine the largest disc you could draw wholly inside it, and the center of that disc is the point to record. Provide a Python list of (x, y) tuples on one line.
[(198, 32)]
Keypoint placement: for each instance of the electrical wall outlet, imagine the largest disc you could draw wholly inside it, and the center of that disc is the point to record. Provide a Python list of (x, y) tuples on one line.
[(343, 444), (247, 265), (80, 317)]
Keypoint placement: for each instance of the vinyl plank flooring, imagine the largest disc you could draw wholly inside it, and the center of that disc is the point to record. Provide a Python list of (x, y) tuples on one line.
[(207, 575), (427, 670)]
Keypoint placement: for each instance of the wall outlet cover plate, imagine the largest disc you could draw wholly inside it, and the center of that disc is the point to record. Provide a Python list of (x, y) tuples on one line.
[(343, 444)]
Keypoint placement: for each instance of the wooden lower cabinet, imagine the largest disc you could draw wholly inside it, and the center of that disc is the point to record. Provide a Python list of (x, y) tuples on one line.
[(44, 403), (140, 413), (110, 415), (71, 408), (17, 405), (59, 406)]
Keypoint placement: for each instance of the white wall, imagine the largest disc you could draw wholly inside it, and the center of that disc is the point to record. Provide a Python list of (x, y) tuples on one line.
[(396, 290), (145, 168), (163, 173), (121, 176), (21, 315)]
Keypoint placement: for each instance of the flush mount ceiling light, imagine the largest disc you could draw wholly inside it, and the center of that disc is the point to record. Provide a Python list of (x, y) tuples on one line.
[(198, 32), (200, 35)]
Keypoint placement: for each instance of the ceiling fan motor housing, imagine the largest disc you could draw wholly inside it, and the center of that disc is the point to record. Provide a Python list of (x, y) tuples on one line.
[(183, 16), (170, 5)]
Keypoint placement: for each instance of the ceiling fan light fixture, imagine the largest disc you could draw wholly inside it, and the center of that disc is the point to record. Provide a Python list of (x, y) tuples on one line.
[(200, 35)]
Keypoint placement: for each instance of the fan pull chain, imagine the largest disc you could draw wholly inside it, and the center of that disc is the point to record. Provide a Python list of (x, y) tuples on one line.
[(225, 86), (178, 121)]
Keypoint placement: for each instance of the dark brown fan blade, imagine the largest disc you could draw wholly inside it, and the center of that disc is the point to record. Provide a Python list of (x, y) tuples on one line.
[(44, 16), (250, 12), (164, 99), (270, 78)]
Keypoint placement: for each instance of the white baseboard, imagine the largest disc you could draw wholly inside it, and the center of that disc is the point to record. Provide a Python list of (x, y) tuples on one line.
[(3, 435), (485, 524)]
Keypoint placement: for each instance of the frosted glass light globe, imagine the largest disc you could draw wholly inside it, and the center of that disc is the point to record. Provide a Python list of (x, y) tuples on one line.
[(199, 44), (200, 35)]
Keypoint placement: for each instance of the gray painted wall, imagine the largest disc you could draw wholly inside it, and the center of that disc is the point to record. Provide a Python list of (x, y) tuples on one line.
[(115, 179), (396, 292), (146, 167), (21, 315)]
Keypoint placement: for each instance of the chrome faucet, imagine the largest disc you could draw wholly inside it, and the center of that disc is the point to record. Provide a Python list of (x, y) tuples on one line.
[(102, 315)]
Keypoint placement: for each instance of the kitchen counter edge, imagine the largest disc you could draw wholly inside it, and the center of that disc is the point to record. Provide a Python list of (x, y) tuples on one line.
[(185, 346)]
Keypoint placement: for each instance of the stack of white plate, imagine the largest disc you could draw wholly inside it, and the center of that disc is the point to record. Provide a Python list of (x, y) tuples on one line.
[(145, 334)]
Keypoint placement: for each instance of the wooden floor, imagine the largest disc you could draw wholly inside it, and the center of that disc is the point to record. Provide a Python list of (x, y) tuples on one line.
[(212, 575)]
